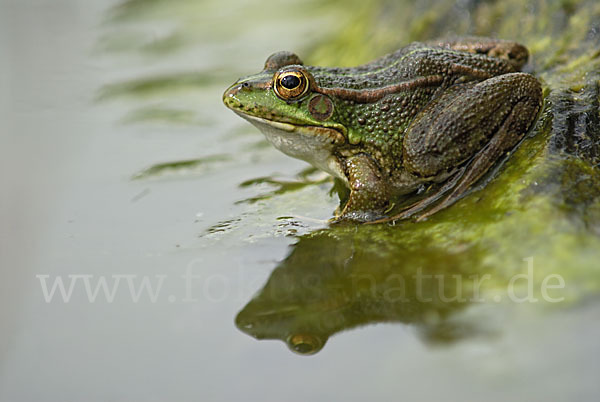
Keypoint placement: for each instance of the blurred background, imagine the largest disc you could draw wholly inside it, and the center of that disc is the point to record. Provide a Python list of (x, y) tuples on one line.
[(119, 163)]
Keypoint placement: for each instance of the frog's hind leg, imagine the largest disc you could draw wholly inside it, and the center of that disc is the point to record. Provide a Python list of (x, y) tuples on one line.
[(473, 130), (480, 165)]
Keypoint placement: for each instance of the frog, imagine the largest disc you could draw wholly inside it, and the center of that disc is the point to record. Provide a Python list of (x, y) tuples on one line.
[(430, 119)]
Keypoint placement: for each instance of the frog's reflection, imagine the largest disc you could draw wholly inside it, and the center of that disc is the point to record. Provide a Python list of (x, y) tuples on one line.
[(347, 276)]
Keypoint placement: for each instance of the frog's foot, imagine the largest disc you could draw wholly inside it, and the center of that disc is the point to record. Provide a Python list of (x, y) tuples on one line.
[(369, 194), (426, 202)]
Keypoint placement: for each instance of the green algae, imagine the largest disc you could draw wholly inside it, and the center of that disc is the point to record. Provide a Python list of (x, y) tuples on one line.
[(181, 167)]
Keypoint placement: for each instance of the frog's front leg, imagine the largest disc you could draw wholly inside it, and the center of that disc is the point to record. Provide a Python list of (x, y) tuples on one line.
[(369, 190), (474, 129)]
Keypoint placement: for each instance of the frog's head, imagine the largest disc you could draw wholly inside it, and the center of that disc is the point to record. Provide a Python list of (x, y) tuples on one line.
[(284, 103)]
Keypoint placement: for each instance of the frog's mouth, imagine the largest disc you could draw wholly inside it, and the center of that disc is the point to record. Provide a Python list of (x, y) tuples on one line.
[(323, 134), (313, 144)]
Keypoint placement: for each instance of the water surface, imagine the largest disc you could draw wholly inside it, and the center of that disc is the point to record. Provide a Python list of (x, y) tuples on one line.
[(121, 164)]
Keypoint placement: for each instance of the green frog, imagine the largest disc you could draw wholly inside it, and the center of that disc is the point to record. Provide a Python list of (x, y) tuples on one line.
[(431, 118)]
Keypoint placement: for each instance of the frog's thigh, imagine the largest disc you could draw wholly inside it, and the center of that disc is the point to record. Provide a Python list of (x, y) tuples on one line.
[(456, 127)]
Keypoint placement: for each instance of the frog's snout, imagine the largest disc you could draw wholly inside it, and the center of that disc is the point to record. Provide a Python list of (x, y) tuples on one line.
[(230, 96)]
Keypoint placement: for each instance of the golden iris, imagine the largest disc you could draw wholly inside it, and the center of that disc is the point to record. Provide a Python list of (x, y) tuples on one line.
[(290, 85)]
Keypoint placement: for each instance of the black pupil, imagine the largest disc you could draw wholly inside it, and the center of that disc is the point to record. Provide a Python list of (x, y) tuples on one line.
[(290, 81)]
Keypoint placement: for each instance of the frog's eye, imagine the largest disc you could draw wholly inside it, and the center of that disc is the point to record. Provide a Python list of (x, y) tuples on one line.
[(290, 85)]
